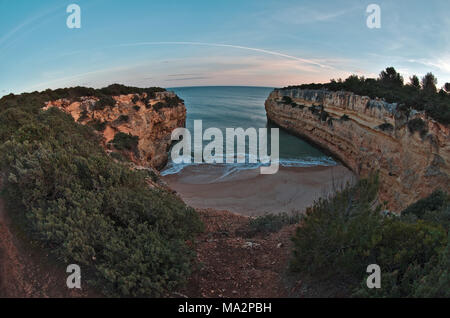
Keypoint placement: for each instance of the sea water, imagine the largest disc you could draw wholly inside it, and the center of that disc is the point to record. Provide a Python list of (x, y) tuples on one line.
[(241, 107)]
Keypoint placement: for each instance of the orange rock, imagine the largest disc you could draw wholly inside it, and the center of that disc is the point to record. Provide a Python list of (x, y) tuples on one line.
[(152, 126), (410, 166)]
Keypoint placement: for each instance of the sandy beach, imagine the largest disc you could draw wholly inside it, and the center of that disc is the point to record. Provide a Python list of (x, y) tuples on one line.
[(247, 192)]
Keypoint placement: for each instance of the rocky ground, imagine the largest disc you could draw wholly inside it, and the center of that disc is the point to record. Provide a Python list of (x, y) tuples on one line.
[(231, 265)]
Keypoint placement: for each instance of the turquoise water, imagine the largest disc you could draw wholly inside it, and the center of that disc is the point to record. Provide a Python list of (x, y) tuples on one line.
[(234, 107)]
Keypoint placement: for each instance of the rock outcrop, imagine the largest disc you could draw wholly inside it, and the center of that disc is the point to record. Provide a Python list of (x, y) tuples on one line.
[(370, 135), (149, 118)]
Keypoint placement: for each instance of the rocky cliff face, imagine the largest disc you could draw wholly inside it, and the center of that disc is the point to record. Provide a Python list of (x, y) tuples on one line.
[(150, 119), (370, 135)]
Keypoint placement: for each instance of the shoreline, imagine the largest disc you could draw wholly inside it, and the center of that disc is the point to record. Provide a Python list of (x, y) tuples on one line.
[(248, 193)]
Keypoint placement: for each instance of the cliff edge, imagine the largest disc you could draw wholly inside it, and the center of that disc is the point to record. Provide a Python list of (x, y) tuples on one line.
[(410, 150), (135, 126)]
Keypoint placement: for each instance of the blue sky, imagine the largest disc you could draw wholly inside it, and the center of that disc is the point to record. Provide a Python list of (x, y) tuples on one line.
[(235, 42)]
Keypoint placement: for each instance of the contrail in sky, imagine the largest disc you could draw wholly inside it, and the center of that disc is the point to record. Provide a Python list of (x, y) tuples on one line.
[(306, 61)]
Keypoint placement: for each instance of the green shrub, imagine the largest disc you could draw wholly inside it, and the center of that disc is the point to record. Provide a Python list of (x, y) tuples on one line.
[(295, 105), (135, 99), (129, 239), (11, 120), (339, 237), (117, 156), (122, 119), (323, 115), (104, 101), (83, 116), (124, 141), (33, 102), (173, 101), (345, 117), (434, 209), (158, 106), (150, 96), (434, 279), (287, 100), (330, 122), (118, 89), (324, 242), (418, 124), (386, 127), (98, 125), (271, 223), (316, 110)]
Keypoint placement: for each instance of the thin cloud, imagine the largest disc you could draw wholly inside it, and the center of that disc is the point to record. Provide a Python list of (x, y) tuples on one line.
[(299, 15), (33, 22), (187, 78), (176, 75), (279, 54), (442, 64)]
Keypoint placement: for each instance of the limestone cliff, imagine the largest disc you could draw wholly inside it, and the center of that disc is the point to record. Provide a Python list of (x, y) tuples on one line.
[(149, 118), (369, 135)]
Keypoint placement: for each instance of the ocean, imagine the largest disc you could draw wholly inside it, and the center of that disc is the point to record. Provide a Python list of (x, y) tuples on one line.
[(233, 107)]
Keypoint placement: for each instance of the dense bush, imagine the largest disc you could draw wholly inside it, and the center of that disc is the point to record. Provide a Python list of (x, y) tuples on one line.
[(122, 119), (419, 125), (159, 105), (447, 87), (316, 110), (173, 101), (98, 124), (117, 156), (124, 141), (433, 209), (169, 102), (324, 115), (34, 101), (386, 127), (390, 87), (286, 100), (270, 223), (339, 237), (330, 122), (295, 105), (118, 89), (129, 239), (135, 99), (104, 100)]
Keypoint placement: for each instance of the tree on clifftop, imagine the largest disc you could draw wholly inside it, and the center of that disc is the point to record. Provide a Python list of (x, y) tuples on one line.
[(391, 78), (447, 87), (429, 82), (414, 81)]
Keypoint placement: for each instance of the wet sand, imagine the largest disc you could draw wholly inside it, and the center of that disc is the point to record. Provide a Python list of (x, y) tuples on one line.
[(247, 192)]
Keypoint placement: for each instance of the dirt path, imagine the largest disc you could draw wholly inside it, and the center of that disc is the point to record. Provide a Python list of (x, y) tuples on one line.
[(230, 265), (11, 265), (25, 272)]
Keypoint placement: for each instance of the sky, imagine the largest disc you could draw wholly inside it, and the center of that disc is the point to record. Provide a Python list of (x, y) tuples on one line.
[(174, 43)]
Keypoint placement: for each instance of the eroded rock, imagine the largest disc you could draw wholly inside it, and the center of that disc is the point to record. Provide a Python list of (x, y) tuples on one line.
[(411, 165)]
